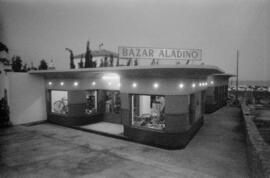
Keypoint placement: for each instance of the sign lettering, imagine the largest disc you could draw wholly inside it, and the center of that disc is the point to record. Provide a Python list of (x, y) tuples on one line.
[(160, 53)]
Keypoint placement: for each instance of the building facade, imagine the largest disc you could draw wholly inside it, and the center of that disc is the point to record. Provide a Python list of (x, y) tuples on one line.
[(156, 105)]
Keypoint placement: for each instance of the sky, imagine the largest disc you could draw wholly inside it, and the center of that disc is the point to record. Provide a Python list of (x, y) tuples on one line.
[(43, 29)]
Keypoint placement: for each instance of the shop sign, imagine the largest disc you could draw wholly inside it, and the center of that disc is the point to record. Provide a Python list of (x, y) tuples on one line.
[(160, 53)]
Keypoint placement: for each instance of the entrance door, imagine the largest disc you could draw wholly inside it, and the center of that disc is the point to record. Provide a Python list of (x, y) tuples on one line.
[(112, 106)]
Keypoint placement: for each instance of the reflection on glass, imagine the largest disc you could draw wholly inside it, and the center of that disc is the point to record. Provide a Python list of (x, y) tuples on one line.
[(112, 102), (91, 102), (59, 102), (148, 111)]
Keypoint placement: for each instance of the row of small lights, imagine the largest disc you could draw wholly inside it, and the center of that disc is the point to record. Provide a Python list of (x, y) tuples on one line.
[(76, 83), (181, 85), (155, 85)]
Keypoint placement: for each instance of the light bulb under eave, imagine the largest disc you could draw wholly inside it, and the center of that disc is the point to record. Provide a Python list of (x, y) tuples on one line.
[(134, 85), (181, 85), (212, 82), (94, 83), (62, 83), (49, 83), (193, 85), (155, 85), (75, 84)]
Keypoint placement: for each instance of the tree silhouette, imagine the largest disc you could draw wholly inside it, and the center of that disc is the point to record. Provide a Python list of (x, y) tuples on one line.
[(3, 47), (88, 56), (16, 64), (43, 65), (81, 63)]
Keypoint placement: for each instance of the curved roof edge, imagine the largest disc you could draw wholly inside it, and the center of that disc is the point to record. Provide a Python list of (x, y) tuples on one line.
[(224, 75), (125, 68), (158, 71)]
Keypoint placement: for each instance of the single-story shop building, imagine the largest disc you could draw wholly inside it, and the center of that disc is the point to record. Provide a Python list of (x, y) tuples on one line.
[(160, 105)]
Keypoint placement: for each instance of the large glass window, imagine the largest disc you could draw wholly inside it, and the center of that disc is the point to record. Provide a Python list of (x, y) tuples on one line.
[(59, 102), (148, 111), (112, 102), (91, 102)]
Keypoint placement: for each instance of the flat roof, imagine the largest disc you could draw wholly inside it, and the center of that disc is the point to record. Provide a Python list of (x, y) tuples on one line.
[(162, 71)]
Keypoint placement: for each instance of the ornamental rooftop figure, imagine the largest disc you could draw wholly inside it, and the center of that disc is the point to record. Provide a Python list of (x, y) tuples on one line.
[(51, 65), (72, 66)]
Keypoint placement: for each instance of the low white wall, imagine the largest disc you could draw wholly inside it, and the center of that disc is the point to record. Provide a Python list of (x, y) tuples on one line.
[(26, 98)]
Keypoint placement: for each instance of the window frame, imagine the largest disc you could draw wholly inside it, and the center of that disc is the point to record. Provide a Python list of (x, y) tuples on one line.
[(132, 113), (50, 102)]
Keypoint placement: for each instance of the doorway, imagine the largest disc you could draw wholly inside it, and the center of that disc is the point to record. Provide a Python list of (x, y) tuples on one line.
[(111, 106)]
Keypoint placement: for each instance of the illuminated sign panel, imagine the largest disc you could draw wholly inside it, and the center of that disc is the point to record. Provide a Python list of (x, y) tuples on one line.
[(160, 53)]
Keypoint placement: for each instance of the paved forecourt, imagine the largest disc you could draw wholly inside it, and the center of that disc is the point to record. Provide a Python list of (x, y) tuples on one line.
[(47, 150)]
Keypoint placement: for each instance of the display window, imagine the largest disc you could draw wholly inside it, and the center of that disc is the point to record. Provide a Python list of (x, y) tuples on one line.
[(59, 102), (91, 102), (148, 111), (112, 102)]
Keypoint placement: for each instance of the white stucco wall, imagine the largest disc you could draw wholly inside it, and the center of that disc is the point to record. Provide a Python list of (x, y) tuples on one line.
[(26, 98)]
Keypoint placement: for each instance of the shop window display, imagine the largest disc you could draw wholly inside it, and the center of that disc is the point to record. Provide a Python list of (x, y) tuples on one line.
[(148, 111), (91, 102), (112, 102), (59, 102)]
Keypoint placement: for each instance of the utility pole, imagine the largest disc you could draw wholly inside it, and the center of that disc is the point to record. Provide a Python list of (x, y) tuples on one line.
[(237, 73)]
